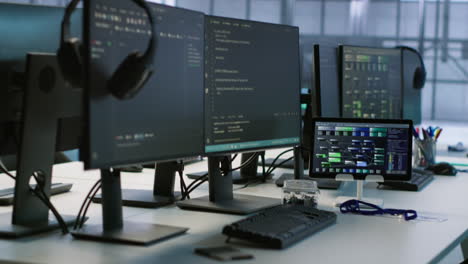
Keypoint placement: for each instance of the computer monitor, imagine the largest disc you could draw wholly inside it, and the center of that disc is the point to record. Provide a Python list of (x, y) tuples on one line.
[(411, 96), (326, 90), (371, 83), (26, 31), (252, 102), (361, 149), (164, 121)]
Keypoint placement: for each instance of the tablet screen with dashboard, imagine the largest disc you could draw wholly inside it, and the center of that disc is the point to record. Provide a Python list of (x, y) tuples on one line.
[(361, 147)]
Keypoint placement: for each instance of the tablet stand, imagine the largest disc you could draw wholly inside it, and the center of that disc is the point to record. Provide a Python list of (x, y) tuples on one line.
[(359, 189)]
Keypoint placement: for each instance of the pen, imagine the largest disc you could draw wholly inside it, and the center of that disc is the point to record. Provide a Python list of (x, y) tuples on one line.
[(415, 133), (425, 134), (438, 132)]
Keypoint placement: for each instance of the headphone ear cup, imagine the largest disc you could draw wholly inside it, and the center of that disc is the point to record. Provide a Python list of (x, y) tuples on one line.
[(130, 76), (70, 60), (419, 78)]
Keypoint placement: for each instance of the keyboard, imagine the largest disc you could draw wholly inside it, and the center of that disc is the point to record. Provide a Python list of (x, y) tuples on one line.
[(419, 179), (7, 195), (281, 226), (329, 184)]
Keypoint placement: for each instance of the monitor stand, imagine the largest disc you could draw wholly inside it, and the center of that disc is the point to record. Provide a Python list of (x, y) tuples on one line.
[(114, 229), (163, 189), (243, 175), (359, 189), (47, 98), (221, 198)]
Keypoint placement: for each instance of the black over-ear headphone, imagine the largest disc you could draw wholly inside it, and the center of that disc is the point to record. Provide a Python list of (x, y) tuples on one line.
[(129, 77), (419, 77)]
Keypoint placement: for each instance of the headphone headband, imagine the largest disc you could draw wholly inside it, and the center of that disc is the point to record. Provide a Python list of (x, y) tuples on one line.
[(417, 54), (419, 77), (149, 52)]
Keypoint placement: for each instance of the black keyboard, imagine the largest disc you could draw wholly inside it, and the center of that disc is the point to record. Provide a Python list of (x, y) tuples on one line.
[(281, 226), (419, 179), (329, 184)]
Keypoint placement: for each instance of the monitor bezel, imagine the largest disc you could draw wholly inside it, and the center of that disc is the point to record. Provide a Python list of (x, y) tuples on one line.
[(85, 150), (248, 150), (341, 72), (387, 177)]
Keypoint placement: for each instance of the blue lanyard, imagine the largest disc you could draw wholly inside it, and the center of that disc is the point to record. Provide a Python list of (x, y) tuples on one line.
[(352, 206)]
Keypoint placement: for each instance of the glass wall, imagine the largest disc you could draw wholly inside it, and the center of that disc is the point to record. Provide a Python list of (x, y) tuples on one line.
[(437, 26)]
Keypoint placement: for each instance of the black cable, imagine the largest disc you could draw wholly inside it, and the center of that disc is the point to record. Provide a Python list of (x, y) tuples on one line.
[(183, 186), (90, 201), (234, 157), (195, 187), (196, 180), (47, 202), (41, 195), (194, 184), (276, 166), (277, 157), (247, 162), (262, 156), (83, 204), (5, 170)]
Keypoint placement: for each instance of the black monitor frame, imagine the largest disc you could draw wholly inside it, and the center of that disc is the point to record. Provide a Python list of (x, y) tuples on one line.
[(387, 177), (114, 228), (221, 197), (341, 72)]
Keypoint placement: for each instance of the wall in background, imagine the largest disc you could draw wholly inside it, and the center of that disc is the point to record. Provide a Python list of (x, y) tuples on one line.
[(444, 35)]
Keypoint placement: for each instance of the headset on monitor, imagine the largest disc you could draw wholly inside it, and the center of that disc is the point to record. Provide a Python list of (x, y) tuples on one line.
[(129, 77), (419, 77)]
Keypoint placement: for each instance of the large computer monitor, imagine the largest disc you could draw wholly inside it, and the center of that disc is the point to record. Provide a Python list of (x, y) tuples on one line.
[(325, 74), (24, 29), (371, 82), (252, 101), (361, 149), (28, 29), (164, 121)]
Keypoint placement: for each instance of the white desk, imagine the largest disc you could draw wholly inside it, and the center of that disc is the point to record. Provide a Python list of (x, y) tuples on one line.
[(353, 239)]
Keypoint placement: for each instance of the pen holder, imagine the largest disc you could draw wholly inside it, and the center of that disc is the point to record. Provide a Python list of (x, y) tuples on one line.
[(424, 152)]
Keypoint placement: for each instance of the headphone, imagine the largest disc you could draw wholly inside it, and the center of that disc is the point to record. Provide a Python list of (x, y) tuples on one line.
[(129, 77), (419, 76)]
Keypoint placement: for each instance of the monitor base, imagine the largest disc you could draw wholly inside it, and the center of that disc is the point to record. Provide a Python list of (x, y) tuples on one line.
[(143, 198), (237, 177), (9, 230), (241, 204), (131, 233)]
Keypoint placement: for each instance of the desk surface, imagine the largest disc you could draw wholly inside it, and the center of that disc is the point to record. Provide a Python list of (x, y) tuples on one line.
[(353, 239)]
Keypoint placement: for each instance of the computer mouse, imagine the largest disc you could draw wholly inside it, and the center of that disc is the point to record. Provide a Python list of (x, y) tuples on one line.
[(443, 168)]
